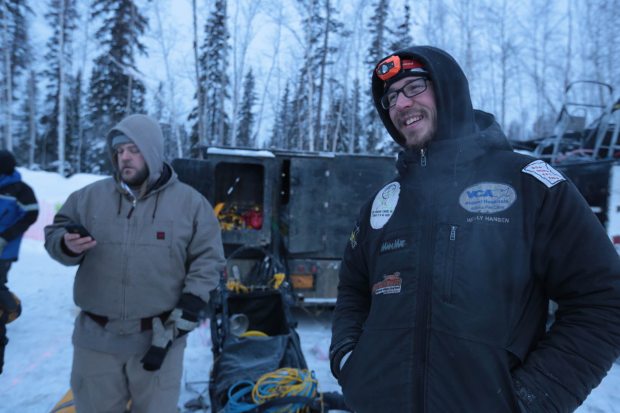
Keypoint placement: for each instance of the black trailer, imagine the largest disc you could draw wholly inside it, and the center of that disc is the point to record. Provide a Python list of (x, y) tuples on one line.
[(285, 211)]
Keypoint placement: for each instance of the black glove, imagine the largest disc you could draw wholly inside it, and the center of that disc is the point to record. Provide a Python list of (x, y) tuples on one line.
[(3, 243), (10, 306), (3, 342), (161, 342), (182, 320)]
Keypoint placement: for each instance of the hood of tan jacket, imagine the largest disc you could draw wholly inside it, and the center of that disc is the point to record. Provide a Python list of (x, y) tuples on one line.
[(145, 132)]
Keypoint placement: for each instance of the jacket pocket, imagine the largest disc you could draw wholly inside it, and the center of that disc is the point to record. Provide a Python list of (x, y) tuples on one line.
[(445, 258), (378, 376)]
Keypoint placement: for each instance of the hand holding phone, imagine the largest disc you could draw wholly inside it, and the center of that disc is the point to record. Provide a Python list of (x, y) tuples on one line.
[(80, 244), (78, 229)]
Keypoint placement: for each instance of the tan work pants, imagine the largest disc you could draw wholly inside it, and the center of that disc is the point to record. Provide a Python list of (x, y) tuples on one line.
[(104, 383)]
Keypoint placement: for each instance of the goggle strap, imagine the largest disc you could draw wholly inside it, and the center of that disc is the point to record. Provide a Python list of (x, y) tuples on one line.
[(393, 65), (411, 64)]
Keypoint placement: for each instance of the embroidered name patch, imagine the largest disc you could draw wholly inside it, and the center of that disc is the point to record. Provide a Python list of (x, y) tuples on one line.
[(487, 197), (384, 204), (544, 173), (391, 284), (392, 245)]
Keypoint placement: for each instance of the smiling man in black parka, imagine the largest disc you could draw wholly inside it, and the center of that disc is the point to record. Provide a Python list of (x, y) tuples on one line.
[(447, 276)]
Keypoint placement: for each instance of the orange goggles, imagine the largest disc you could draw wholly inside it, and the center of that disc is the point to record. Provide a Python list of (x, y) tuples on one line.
[(393, 65)]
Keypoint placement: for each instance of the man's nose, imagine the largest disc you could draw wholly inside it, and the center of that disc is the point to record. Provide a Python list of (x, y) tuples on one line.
[(402, 100)]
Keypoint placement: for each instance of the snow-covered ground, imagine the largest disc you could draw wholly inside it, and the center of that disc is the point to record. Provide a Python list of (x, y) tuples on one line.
[(38, 357)]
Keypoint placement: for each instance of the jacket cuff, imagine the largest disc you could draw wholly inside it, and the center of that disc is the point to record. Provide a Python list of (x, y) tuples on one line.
[(337, 352), (192, 306), (525, 398)]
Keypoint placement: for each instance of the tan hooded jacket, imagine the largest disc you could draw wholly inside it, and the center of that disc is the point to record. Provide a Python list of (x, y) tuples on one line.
[(150, 249)]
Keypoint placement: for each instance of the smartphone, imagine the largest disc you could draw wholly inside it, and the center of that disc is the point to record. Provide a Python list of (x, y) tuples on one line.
[(78, 229)]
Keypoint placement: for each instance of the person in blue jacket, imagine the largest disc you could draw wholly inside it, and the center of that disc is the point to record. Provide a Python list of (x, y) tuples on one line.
[(446, 279), (18, 210)]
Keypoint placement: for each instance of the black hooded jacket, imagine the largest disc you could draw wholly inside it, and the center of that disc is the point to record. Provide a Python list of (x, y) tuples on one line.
[(445, 282)]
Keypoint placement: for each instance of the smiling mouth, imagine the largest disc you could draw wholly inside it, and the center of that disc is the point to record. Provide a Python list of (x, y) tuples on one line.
[(412, 119)]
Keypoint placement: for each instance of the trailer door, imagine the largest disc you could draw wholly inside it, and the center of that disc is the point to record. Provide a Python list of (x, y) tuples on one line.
[(196, 173), (308, 204)]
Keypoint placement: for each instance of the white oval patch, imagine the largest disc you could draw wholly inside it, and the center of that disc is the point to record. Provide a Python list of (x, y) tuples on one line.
[(487, 197), (384, 204)]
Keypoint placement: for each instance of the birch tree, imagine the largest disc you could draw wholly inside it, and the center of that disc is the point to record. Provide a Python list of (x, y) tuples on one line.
[(436, 26), (32, 116), (243, 33), (15, 57), (305, 99), (332, 27), (163, 36), (7, 71), (198, 134), (503, 54), (61, 16), (26, 129), (540, 30), (276, 14), (599, 33), (62, 67)]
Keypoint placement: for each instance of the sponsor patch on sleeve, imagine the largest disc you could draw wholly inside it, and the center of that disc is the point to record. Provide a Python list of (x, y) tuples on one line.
[(544, 173)]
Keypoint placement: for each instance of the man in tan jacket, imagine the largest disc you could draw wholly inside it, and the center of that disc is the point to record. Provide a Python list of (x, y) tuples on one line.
[(149, 252)]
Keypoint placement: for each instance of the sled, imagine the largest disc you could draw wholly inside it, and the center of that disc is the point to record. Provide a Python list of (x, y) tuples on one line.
[(67, 404), (254, 341)]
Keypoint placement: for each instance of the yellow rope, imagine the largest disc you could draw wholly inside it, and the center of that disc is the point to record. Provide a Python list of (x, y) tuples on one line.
[(285, 382), (253, 333)]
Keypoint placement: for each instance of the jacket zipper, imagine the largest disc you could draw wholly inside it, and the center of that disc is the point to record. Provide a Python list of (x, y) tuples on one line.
[(423, 311), (125, 281), (133, 206), (449, 268)]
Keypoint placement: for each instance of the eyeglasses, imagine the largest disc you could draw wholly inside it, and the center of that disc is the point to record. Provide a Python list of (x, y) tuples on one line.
[(411, 89)]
